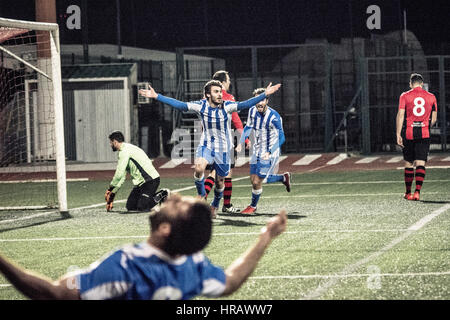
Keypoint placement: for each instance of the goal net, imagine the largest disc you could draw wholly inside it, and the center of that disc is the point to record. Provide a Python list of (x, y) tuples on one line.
[(32, 160)]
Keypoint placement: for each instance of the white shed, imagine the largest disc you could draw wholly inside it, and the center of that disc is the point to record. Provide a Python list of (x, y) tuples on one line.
[(97, 99)]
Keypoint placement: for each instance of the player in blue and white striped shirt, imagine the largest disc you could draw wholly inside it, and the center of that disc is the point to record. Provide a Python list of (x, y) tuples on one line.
[(267, 127), (216, 142), (169, 265)]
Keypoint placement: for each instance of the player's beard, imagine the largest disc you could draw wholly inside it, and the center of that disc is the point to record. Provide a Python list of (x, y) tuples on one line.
[(217, 101), (264, 109), (114, 149)]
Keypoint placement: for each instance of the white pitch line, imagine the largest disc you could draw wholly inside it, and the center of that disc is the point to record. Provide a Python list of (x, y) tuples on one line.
[(336, 183), (327, 276), (281, 158), (172, 163), (42, 214), (336, 195), (306, 160), (323, 288), (395, 159), (223, 234), (354, 275), (340, 157), (367, 160), (91, 206), (43, 180)]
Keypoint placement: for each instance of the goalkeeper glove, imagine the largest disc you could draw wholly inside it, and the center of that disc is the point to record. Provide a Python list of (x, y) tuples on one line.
[(108, 192), (109, 197)]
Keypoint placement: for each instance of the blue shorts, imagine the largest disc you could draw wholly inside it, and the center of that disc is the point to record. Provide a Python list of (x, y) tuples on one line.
[(220, 161), (263, 168)]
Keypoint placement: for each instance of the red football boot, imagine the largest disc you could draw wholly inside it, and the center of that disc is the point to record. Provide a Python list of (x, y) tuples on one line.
[(287, 181), (416, 196), (249, 210)]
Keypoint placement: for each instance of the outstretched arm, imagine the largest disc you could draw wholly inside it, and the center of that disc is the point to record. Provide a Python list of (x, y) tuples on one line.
[(151, 93), (35, 286), (253, 101), (240, 269), (244, 137)]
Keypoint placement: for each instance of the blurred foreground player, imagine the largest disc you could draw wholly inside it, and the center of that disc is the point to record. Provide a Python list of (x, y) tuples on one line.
[(414, 137), (169, 265), (135, 161)]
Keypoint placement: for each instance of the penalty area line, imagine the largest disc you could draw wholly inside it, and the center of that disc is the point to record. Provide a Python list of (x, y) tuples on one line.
[(324, 287), (353, 275), (327, 276), (42, 214), (223, 234)]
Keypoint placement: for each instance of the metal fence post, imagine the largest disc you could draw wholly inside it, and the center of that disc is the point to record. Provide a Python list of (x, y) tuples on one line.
[(328, 104), (180, 67), (365, 107), (255, 67), (442, 104)]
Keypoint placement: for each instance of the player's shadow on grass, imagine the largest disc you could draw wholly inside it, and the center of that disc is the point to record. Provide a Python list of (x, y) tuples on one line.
[(249, 222), (236, 223), (432, 201), (28, 225), (130, 212), (290, 215)]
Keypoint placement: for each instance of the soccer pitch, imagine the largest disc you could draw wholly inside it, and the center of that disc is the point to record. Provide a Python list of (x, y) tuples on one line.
[(350, 235)]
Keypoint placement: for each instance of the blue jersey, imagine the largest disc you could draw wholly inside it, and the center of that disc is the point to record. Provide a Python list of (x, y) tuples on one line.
[(216, 123), (143, 272), (267, 129)]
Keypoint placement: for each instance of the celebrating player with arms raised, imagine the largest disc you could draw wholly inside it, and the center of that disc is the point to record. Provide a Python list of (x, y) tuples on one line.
[(228, 207), (268, 128), (216, 140)]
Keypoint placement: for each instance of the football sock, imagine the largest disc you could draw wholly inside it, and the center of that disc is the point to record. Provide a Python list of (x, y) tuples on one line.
[(420, 176), (217, 196), (255, 197), (200, 185), (227, 192), (409, 178), (275, 178), (209, 184)]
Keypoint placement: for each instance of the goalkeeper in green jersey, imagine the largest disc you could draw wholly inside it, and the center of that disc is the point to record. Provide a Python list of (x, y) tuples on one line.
[(134, 160)]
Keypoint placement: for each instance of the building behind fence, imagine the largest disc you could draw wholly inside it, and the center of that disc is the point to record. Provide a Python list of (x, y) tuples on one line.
[(334, 96)]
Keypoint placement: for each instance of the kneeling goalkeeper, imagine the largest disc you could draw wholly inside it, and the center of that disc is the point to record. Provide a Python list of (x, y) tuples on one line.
[(135, 161)]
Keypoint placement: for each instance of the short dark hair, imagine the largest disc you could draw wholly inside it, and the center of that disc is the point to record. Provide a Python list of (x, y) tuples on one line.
[(209, 84), (220, 75), (191, 226), (117, 135), (416, 78), (258, 91)]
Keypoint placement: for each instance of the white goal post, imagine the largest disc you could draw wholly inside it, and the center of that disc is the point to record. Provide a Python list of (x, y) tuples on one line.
[(33, 48)]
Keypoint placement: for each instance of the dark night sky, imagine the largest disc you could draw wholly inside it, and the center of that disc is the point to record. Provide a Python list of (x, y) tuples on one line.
[(171, 24)]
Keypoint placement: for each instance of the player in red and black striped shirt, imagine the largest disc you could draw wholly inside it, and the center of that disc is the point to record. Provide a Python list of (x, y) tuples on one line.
[(418, 106)]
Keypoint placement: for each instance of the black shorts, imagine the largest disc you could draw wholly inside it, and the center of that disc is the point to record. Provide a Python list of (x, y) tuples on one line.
[(141, 197), (416, 149)]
